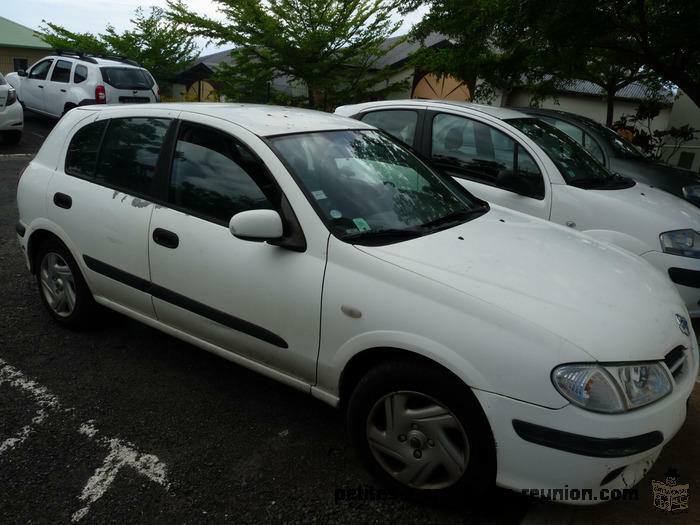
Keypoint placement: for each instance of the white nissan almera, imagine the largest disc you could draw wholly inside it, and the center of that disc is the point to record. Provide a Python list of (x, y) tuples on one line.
[(469, 344)]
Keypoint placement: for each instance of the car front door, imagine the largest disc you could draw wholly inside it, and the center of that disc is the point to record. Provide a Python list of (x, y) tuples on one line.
[(253, 299), (488, 162), (34, 85), (108, 175)]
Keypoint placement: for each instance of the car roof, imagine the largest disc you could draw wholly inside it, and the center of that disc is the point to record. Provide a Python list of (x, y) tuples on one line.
[(94, 60), (564, 115), (260, 119), (494, 111)]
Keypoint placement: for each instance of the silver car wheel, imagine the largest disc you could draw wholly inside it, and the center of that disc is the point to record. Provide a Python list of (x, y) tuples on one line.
[(58, 284), (417, 440)]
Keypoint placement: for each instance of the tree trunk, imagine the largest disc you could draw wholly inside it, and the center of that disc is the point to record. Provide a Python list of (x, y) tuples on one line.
[(610, 105)]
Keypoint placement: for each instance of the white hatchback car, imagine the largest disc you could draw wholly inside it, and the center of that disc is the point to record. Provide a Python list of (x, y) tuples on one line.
[(469, 344), (60, 82), (515, 160), (11, 114)]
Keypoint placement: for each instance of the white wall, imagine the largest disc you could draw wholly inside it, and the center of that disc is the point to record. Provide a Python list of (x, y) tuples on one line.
[(685, 111)]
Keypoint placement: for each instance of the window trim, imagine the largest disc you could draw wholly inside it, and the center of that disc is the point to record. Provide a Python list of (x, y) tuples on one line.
[(428, 145)]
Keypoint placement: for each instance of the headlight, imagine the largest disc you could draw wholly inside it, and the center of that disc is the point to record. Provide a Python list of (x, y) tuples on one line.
[(691, 192), (612, 388), (681, 242)]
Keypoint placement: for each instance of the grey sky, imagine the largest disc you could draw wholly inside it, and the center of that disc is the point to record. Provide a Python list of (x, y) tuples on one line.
[(84, 16)]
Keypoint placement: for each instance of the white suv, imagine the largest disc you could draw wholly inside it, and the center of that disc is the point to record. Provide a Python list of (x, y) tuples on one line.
[(58, 83), (468, 343)]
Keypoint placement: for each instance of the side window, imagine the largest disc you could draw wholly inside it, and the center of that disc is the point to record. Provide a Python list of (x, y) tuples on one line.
[(399, 123), (81, 159), (80, 74), (574, 132), (593, 148), (215, 176), (129, 153), (479, 152), (40, 70), (61, 71)]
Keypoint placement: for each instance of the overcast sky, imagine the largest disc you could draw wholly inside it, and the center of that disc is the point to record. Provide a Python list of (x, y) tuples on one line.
[(93, 16)]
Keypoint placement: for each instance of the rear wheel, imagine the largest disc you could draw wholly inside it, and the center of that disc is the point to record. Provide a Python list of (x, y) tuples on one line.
[(68, 107), (422, 432), (61, 285)]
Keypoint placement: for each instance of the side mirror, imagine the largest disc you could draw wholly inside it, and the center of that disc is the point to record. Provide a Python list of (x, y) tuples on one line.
[(257, 225), (22, 73)]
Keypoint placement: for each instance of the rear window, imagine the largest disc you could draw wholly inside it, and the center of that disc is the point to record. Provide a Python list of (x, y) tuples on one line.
[(126, 78)]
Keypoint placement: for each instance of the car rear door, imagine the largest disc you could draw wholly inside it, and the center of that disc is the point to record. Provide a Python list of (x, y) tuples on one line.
[(56, 87), (253, 299), (100, 198)]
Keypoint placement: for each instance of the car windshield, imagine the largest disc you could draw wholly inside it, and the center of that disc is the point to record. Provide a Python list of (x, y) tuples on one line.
[(619, 143), (577, 166), (371, 190), (126, 77)]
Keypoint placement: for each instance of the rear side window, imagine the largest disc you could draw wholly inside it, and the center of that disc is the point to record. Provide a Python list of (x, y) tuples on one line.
[(81, 159), (61, 72), (80, 74), (215, 177), (399, 123), (41, 70), (126, 77), (129, 153)]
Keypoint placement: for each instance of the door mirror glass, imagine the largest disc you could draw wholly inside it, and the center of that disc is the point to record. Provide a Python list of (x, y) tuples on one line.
[(257, 225)]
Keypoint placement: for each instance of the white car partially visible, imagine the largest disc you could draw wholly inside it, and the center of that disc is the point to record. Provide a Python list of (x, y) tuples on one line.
[(11, 114)]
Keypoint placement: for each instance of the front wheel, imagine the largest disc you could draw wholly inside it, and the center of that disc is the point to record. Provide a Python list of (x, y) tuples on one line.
[(62, 287), (422, 432)]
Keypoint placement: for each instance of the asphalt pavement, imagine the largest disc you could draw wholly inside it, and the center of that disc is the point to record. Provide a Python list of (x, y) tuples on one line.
[(124, 424)]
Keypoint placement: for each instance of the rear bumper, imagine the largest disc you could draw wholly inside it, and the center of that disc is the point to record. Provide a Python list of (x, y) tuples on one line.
[(12, 118)]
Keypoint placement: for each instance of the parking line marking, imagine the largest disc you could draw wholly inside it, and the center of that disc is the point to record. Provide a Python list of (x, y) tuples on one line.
[(121, 453)]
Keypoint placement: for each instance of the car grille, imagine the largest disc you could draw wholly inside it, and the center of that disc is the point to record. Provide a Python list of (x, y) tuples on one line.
[(134, 100), (675, 360)]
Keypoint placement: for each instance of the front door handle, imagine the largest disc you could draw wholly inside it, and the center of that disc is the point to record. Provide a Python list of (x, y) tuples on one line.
[(166, 238), (62, 200)]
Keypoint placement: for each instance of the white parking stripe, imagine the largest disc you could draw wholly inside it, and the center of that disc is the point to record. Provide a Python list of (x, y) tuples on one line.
[(121, 453)]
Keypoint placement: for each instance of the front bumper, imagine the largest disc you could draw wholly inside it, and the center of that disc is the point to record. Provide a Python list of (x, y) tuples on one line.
[(603, 452), (684, 272)]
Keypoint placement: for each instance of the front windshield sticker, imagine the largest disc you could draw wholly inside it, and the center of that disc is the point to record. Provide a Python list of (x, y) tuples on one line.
[(361, 224), (318, 195), (336, 214)]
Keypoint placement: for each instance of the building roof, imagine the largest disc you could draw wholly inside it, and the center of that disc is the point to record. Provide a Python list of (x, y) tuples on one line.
[(634, 91), (13, 34), (260, 119), (405, 49)]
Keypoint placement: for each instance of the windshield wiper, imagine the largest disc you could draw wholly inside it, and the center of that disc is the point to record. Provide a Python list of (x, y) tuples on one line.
[(388, 235), (454, 218)]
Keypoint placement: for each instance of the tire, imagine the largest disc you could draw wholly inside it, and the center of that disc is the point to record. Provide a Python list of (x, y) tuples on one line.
[(438, 447), (67, 108), (62, 287), (12, 137)]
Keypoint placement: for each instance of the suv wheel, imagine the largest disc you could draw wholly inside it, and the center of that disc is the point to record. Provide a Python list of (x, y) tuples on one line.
[(422, 432), (61, 285), (68, 107)]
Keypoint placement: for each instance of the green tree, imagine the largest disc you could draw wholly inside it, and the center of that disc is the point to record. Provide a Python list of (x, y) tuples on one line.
[(158, 44), (331, 46), (544, 43)]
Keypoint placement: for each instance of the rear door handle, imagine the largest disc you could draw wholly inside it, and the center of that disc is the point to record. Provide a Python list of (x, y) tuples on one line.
[(42, 87), (62, 200), (63, 91), (166, 238)]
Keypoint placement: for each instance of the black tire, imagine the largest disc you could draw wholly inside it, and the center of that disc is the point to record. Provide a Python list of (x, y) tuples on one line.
[(67, 108), (12, 137), (424, 387), (57, 273)]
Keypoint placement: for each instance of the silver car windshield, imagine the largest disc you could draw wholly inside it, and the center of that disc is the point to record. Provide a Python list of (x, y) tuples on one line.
[(370, 189)]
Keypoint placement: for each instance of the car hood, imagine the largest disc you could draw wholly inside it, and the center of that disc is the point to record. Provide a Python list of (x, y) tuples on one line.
[(662, 176), (611, 304)]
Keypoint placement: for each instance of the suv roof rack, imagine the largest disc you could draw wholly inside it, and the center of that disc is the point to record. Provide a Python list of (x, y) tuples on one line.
[(89, 56), (80, 55)]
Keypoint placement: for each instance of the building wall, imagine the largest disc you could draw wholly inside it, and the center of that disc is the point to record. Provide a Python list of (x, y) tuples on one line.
[(7, 54), (592, 107), (685, 111)]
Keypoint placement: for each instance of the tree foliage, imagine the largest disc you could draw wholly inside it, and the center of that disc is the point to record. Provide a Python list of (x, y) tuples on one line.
[(611, 43), (157, 43), (331, 46)]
